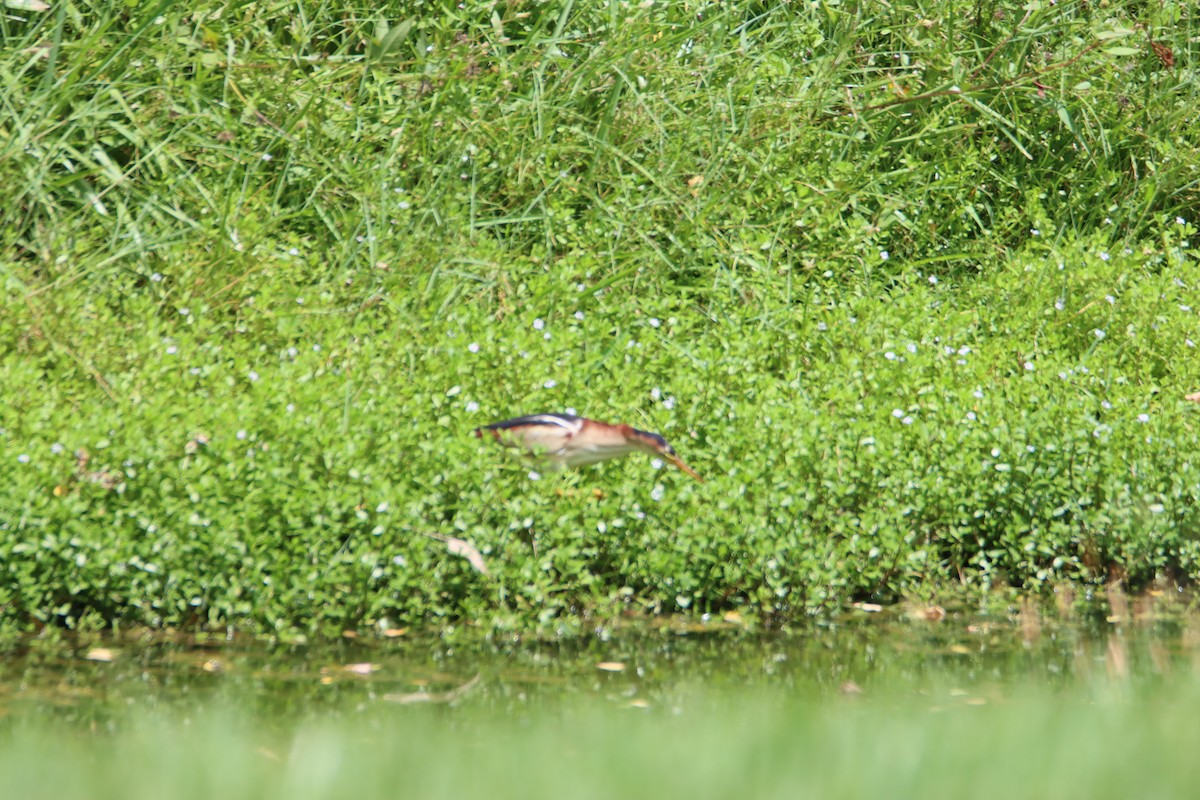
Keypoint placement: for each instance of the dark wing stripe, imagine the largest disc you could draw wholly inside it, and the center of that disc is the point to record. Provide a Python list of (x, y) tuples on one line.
[(552, 420)]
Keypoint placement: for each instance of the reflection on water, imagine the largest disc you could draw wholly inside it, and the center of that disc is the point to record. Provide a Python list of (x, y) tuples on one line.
[(917, 651)]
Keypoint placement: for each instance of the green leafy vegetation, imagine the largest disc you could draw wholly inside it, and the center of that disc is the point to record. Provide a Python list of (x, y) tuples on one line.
[(911, 284)]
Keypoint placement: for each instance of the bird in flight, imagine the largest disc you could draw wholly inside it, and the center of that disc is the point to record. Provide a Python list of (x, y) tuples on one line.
[(565, 440)]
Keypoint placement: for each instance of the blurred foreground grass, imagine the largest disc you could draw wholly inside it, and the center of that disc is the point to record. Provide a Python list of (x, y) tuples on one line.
[(1103, 742)]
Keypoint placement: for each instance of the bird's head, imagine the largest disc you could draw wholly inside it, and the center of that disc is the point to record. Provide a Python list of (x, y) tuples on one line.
[(656, 445)]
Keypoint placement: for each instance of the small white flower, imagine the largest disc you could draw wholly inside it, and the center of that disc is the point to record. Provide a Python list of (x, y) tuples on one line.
[(23, 458), (1189, 342), (1184, 308), (172, 350), (657, 463), (472, 407), (912, 348), (655, 322), (195, 370), (57, 448), (655, 393), (1099, 334), (907, 420), (1030, 448), (538, 324), (657, 492), (473, 347), (1029, 366), (889, 355), (579, 316), (1111, 300), (995, 452), (253, 376), (1180, 221), (897, 413), (156, 277), (1104, 256), (291, 408), (570, 411), (1035, 232), (550, 384), (964, 350), (1143, 418), (971, 416), (933, 280), (381, 508), (821, 326), (241, 434), (1105, 404), (669, 403), (534, 476), (267, 156), (977, 394), (295, 251), (1058, 304), (883, 255)]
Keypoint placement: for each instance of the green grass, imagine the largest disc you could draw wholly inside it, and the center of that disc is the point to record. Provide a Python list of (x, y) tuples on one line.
[(1071, 744), (910, 284)]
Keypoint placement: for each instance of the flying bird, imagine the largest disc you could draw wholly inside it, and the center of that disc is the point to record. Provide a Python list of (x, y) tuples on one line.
[(565, 440)]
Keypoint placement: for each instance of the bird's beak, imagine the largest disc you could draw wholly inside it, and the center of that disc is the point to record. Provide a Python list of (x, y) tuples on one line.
[(677, 461)]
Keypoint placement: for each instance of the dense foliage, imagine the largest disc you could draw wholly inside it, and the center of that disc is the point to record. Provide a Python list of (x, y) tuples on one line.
[(911, 284)]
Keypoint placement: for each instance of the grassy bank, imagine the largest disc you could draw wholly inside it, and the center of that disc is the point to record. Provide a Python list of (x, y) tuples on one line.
[(911, 286)]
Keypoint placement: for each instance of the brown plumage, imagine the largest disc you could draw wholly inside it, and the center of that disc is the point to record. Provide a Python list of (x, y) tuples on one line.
[(565, 440)]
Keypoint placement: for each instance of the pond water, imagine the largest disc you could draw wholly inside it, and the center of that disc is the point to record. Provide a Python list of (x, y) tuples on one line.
[(904, 703), (920, 652)]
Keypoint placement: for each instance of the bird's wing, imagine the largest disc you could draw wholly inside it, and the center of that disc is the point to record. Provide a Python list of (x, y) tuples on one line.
[(542, 433), (565, 421)]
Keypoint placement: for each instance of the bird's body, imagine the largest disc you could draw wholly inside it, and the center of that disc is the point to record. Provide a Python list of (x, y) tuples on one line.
[(565, 440)]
